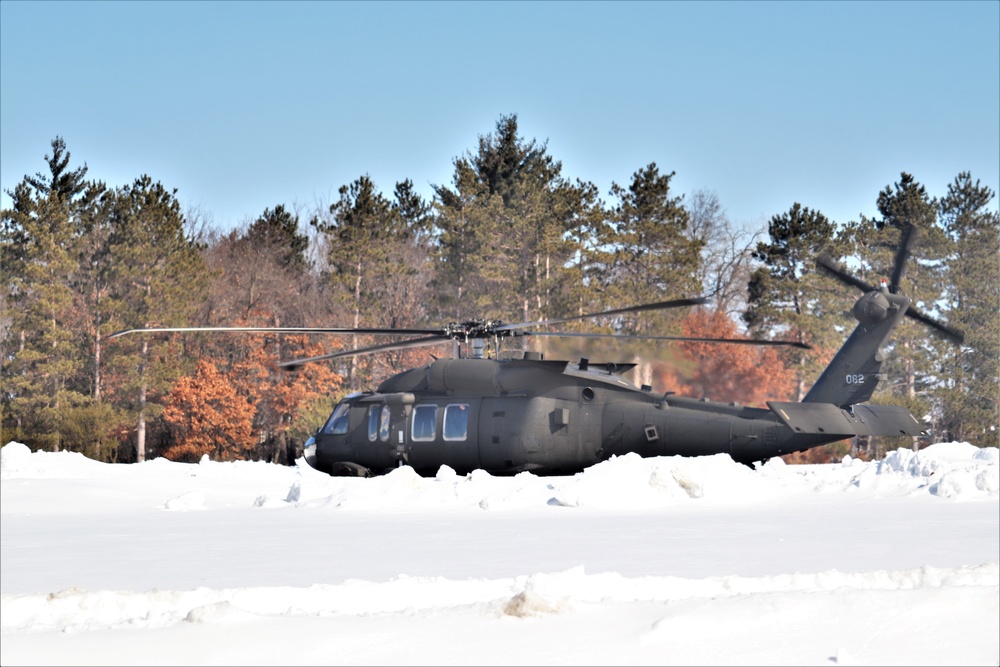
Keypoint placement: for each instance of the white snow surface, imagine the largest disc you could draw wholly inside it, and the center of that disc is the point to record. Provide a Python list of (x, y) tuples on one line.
[(666, 561)]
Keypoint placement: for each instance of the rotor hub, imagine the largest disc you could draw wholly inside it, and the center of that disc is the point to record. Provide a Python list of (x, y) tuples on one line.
[(477, 329), (871, 308)]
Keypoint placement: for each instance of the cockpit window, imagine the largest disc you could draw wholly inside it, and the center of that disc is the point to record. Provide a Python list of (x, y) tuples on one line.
[(456, 421), (337, 424), (424, 418)]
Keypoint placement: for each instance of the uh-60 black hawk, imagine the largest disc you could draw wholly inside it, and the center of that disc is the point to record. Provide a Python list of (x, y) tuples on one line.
[(558, 417)]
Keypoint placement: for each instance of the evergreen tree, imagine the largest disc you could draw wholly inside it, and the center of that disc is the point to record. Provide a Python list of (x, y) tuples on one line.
[(970, 402), (43, 370), (276, 234), (458, 247), (654, 258), (375, 260), (90, 278), (502, 228), (580, 285), (97, 423), (788, 299), (156, 278), (59, 184), (915, 356), (415, 213)]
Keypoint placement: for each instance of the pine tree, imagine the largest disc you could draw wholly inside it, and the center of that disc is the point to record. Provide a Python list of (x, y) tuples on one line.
[(276, 234), (914, 354), (580, 285), (970, 402), (43, 371), (156, 277), (654, 258), (788, 298), (503, 227), (90, 279), (376, 260)]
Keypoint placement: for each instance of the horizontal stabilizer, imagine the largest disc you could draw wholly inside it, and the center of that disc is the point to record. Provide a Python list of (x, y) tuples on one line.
[(826, 418)]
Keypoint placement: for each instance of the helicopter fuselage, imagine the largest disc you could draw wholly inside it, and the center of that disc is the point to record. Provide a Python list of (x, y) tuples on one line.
[(546, 417)]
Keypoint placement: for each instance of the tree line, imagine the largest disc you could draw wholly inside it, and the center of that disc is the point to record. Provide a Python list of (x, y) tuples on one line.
[(509, 238)]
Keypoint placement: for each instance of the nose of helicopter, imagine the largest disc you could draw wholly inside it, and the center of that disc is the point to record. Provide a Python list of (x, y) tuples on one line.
[(309, 451)]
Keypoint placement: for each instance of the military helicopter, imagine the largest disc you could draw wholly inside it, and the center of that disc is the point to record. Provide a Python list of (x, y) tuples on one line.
[(510, 415)]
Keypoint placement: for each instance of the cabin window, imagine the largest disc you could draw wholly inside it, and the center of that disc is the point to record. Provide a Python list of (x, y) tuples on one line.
[(337, 424), (456, 421), (372, 423), (423, 426), (383, 427)]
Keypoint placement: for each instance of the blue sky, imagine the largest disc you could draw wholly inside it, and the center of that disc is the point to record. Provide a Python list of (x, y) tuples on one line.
[(244, 106)]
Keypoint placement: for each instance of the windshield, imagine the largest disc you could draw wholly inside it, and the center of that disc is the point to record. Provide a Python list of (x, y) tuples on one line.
[(337, 423)]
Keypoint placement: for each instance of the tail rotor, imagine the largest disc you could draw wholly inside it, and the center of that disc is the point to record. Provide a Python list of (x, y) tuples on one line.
[(902, 253), (832, 268)]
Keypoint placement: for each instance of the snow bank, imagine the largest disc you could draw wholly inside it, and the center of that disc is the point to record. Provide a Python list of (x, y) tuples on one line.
[(953, 471), (533, 595)]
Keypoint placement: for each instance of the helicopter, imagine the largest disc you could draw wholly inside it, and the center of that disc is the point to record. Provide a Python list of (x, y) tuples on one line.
[(531, 414)]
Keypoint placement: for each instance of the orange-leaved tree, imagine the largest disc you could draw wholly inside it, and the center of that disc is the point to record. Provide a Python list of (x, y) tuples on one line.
[(206, 415), (279, 397), (746, 374)]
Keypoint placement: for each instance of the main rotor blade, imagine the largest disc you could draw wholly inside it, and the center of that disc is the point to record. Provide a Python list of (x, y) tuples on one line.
[(676, 303), (826, 263), (902, 252), (692, 339), (385, 347), (291, 330)]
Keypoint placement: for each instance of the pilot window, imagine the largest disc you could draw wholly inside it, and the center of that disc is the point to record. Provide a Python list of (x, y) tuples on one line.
[(456, 421), (337, 424), (424, 418), (372, 423)]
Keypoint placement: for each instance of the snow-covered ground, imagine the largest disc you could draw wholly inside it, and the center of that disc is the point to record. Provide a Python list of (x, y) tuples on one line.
[(634, 561)]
